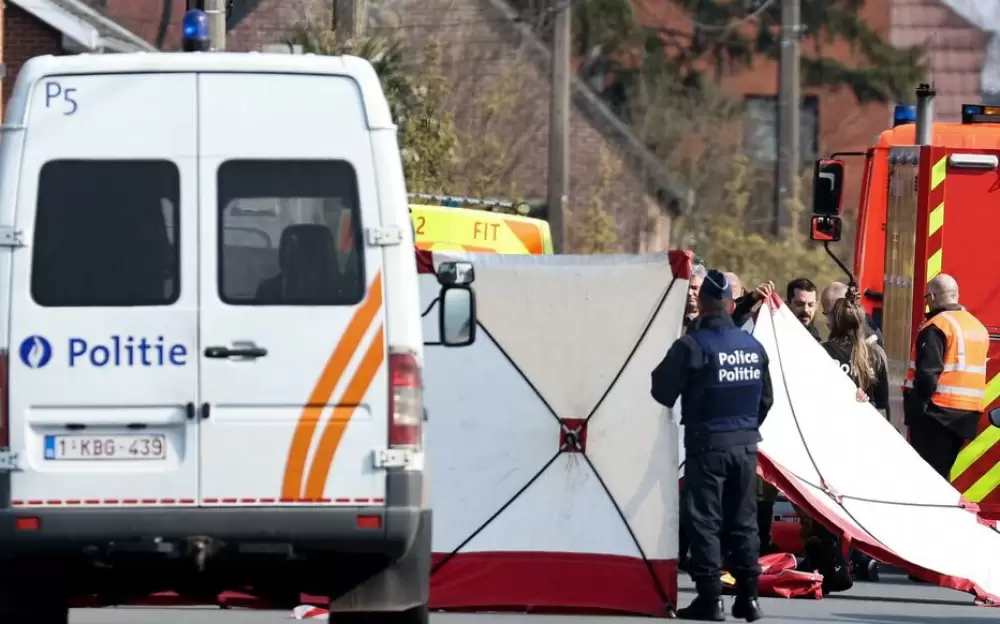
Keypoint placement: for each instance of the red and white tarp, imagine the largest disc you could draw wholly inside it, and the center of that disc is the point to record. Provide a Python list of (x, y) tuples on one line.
[(525, 519), (847, 466)]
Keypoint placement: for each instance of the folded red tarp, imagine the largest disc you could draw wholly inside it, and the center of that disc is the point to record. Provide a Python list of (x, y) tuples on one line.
[(780, 579)]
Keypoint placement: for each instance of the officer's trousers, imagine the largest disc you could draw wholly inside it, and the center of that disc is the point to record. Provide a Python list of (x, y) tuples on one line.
[(721, 497)]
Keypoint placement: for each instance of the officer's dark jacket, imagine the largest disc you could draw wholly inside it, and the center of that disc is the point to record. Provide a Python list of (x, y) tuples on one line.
[(724, 402), (931, 345)]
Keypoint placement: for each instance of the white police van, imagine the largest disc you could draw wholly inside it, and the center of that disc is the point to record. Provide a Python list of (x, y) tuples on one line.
[(211, 337)]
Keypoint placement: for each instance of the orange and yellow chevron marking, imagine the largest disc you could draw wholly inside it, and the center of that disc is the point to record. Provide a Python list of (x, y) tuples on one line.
[(983, 448), (320, 397), (530, 236), (334, 430)]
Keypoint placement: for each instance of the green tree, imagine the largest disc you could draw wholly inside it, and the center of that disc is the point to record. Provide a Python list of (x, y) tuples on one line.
[(427, 136), (416, 93), (700, 136), (611, 42), (591, 227), (727, 40), (725, 241), (494, 134), (604, 27), (387, 55)]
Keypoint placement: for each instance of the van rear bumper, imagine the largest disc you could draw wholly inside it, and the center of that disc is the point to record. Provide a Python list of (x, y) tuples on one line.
[(333, 529), (330, 528)]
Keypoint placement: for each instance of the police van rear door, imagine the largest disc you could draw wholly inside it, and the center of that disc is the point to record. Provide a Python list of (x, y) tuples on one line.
[(294, 376), (103, 371)]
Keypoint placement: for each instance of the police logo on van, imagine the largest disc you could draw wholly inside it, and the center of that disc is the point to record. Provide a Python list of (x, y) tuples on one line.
[(36, 351)]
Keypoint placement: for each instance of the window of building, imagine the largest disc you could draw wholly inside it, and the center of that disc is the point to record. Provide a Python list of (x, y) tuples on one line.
[(106, 234), (290, 233), (760, 128)]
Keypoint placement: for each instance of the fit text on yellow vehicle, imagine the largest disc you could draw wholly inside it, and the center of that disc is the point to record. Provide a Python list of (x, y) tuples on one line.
[(467, 224)]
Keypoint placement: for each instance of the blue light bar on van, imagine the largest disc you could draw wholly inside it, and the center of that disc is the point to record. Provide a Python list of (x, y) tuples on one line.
[(195, 31), (904, 113), (980, 113)]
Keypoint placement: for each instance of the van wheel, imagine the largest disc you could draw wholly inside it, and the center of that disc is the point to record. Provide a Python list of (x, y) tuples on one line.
[(418, 615), (14, 610), (35, 590)]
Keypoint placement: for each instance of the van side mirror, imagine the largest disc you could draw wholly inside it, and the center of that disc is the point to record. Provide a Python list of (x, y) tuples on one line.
[(457, 316), (825, 229), (995, 416), (828, 187), (456, 273)]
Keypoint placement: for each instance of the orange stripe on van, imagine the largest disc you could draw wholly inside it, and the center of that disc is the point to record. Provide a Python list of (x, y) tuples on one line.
[(309, 419), (335, 427), (529, 234)]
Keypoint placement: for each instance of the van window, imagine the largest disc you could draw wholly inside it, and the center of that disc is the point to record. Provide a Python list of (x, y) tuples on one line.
[(106, 234), (290, 233)]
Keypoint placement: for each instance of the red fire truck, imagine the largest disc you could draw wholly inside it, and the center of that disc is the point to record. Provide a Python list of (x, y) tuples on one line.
[(930, 204)]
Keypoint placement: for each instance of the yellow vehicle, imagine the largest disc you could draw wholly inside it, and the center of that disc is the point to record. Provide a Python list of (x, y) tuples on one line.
[(454, 226)]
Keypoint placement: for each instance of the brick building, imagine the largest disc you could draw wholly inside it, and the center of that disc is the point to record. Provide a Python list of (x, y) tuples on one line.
[(831, 119), (962, 40)]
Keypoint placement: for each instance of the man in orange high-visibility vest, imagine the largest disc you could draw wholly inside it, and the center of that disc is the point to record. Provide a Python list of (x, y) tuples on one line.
[(946, 383)]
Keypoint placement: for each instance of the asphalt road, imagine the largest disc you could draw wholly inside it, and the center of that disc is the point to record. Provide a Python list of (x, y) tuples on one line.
[(893, 601)]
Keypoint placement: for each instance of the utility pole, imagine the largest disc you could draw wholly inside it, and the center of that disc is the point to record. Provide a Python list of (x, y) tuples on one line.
[(349, 18), (216, 12), (789, 103), (558, 172)]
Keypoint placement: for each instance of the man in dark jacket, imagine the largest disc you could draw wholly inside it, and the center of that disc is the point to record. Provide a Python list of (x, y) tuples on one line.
[(800, 296), (722, 374), (694, 285)]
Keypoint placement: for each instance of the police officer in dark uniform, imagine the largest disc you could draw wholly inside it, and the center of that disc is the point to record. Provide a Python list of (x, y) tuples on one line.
[(721, 373)]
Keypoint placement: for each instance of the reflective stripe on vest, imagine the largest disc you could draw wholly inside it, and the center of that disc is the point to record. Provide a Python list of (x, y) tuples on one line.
[(962, 384)]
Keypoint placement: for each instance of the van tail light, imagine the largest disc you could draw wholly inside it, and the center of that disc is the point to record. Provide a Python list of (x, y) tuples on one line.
[(4, 401), (406, 401)]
